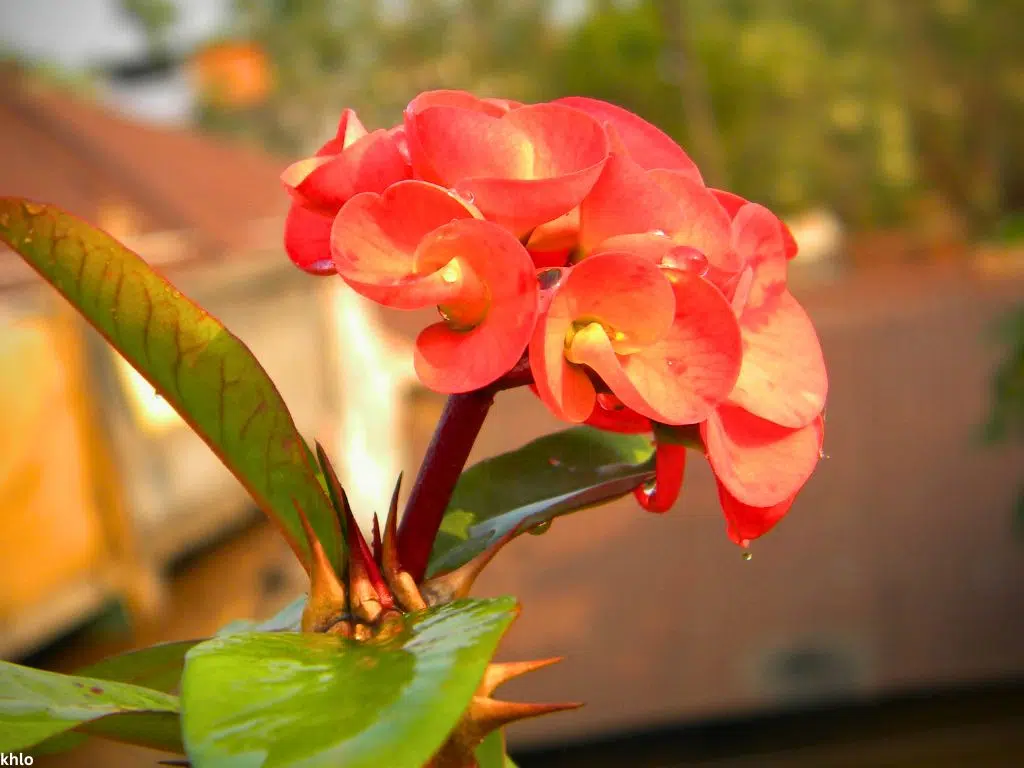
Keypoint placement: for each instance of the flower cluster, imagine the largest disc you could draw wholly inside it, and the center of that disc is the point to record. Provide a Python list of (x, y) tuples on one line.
[(580, 235)]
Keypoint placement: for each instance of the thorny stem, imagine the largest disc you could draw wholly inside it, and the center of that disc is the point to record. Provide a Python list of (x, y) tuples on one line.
[(446, 456)]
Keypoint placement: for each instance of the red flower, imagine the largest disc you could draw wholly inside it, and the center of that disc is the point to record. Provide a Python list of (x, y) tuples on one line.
[(418, 245), (520, 166), (353, 161)]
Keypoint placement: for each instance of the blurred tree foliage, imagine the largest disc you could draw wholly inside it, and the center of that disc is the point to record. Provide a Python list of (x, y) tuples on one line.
[(883, 109)]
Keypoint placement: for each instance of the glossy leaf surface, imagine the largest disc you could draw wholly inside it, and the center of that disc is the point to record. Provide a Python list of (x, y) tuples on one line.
[(289, 699), (207, 374), (554, 475), (36, 705)]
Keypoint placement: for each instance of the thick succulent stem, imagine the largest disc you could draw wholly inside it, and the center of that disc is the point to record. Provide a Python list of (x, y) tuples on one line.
[(446, 456)]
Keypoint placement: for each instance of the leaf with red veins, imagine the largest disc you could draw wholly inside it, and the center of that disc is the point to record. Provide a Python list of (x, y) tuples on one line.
[(783, 377), (683, 375), (350, 130), (307, 240), (732, 203), (492, 317), (375, 244), (522, 169), (326, 182), (648, 145), (760, 463)]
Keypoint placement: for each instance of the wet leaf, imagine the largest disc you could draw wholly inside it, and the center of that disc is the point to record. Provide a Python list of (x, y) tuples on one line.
[(157, 667), (551, 476), (289, 699), (288, 619), (208, 375), (36, 705)]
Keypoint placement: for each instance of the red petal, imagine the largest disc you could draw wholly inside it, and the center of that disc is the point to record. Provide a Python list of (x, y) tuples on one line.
[(783, 377), (732, 204), (626, 200), (371, 164), (760, 463), (611, 415), (350, 130), (449, 360), (565, 389), (703, 224), (307, 240), (757, 239), (647, 145), (375, 238), (744, 522), (526, 168), (669, 468), (685, 374)]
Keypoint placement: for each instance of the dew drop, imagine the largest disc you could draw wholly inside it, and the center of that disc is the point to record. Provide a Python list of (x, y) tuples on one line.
[(465, 195), (609, 402), (822, 455), (686, 259), (540, 528), (748, 556), (549, 278), (658, 233), (450, 274)]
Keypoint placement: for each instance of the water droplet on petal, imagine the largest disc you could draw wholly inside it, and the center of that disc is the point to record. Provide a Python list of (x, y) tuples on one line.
[(540, 528), (450, 274), (549, 278), (609, 402), (686, 259), (822, 455), (658, 233), (464, 194)]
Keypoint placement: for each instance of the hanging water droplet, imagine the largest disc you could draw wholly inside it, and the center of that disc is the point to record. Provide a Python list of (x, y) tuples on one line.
[(540, 528), (748, 556)]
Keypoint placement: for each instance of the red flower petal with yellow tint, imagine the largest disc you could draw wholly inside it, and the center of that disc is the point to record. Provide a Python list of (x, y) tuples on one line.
[(631, 297), (783, 377), (350, 130), (524, 168), (648, 145), (732, 203), (687, 372), (757, 240), (611, 415), (627, 200), (760, 463), (451, 356), (307, 240), (744, 522), (326, 182), (376, 237)]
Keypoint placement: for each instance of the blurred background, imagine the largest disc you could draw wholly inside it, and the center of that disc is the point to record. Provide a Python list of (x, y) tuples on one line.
[(881, 624)]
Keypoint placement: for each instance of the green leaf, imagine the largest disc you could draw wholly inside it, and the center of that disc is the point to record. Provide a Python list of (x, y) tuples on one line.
[(157, 667), (551, 476), (36, 705), (208, 375), (284, 699), (491, 753), (288, 619)]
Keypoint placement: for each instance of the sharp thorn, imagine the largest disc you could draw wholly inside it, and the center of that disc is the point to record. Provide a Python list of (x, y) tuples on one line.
[(458, 583), (499, 673), (366, 585), (375, 544), (487, 714), (401, 583), (326, 592)]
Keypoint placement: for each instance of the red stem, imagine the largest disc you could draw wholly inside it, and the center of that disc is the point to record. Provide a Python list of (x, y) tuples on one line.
[(446, 456)]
